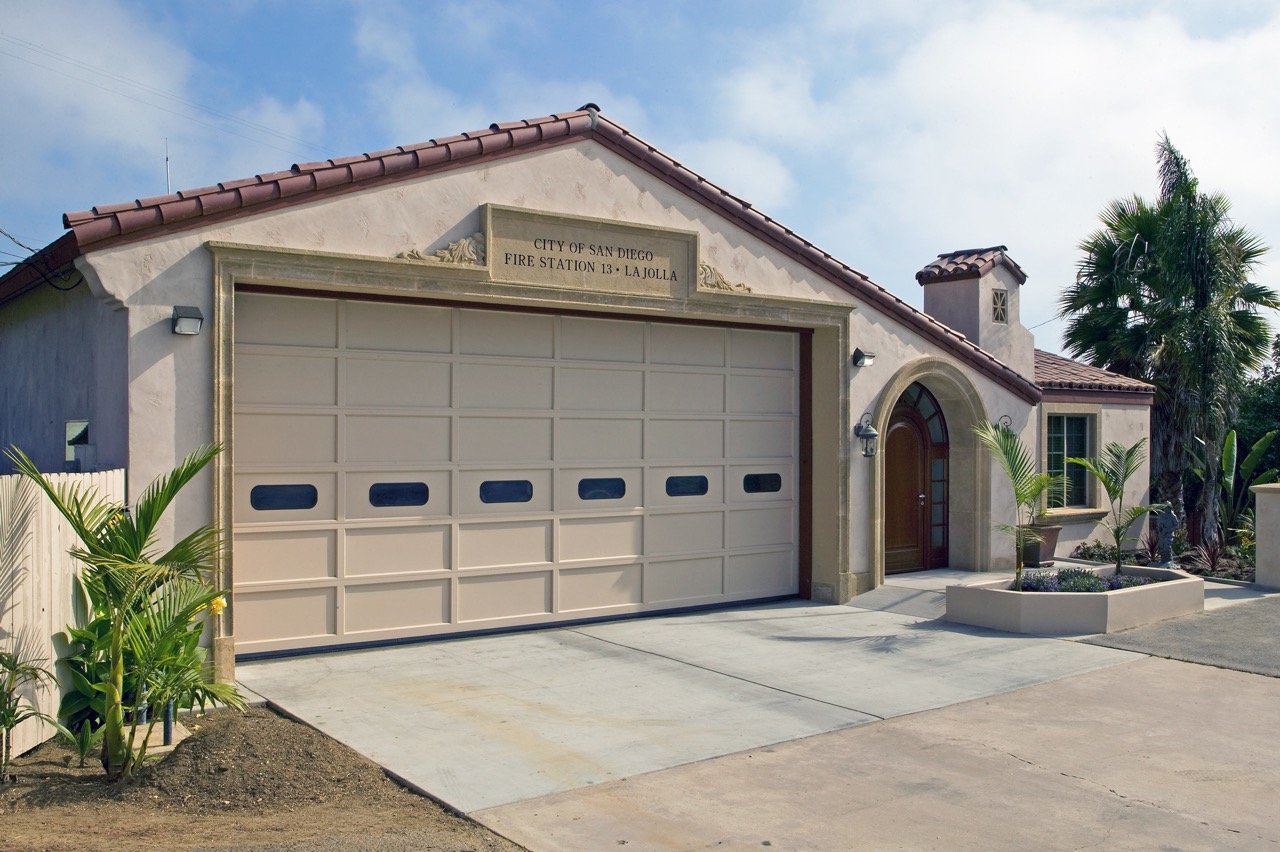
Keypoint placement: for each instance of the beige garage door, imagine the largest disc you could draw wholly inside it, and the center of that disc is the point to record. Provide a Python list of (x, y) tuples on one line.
[(405, 470)]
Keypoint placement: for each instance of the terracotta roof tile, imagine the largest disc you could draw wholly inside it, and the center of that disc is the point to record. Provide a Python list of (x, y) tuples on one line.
[(969, 263), (1059, 373), (108, 225)]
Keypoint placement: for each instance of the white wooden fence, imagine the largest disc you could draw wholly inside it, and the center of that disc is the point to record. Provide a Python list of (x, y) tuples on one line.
[(37, 592)]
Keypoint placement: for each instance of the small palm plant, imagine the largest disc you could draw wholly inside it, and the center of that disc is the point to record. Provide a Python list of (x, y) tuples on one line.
[(1113, 469), (1029, 485), (17, 673), (151, 601)]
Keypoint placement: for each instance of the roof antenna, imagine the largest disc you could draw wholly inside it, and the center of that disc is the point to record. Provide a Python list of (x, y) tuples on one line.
[(167, 190)]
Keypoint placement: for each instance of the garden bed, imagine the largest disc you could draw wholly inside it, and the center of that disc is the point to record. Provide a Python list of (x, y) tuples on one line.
[(994, 604), (241, 780)]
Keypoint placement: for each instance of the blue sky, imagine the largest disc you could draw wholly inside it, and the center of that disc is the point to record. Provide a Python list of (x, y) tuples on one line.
[(885, 132)]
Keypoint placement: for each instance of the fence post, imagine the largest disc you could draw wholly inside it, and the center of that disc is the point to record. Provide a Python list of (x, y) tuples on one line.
[(1267, 526)]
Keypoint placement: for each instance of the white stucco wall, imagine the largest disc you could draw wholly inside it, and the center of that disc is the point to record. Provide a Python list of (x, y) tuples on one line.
[(170, 378), (64, 359)]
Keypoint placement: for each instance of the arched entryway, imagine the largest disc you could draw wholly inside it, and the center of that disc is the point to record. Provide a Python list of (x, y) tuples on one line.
[(966, 513), (916, 483)]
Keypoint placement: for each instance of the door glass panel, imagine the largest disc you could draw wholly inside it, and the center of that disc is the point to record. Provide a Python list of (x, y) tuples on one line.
[(506, 491), (398, 494), (686, 486), (607, 488), (761, 483), (266, 498)]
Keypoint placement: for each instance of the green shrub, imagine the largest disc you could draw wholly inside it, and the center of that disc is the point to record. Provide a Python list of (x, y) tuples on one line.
[(1096, 551)]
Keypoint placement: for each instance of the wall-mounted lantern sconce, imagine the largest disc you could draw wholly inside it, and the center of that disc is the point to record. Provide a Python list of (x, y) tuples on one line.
[(868, 434), (187, 319), (863, 359)]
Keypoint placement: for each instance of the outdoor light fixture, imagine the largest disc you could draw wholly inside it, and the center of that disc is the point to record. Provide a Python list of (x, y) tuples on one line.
[(863, 359), (868, 434), (1006, 421), (187, 319)]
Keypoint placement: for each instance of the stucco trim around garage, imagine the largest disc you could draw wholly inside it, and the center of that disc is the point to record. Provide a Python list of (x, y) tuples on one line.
[(304, 272)]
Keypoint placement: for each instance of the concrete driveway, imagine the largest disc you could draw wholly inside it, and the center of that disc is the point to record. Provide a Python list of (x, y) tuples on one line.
[(750, 727)]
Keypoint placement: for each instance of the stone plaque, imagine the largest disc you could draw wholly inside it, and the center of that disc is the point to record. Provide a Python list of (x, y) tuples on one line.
[(529, 247)]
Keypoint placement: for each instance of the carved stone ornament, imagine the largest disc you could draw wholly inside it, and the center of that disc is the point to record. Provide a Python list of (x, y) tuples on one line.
[(468, 250), (709, 278)]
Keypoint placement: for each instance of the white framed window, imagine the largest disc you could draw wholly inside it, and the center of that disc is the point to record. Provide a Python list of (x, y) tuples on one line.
[(1000, 306)]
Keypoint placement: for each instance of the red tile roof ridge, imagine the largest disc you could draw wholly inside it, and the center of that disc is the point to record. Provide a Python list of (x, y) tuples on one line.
[(1059, 372), (969, 263), (110, 225)]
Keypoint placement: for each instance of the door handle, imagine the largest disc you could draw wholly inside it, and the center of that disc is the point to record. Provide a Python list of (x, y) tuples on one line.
[(921, 499)]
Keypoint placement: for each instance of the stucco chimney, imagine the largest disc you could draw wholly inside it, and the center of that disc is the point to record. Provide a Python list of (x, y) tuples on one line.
[(976, 292)]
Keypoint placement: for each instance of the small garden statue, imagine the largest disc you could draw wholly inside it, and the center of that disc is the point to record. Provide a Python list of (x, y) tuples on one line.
[(1166, 523)]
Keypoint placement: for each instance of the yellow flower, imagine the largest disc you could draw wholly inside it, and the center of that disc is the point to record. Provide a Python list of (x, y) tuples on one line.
[(218, 604)]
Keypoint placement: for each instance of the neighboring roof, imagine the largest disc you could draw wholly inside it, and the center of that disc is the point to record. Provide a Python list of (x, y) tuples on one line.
[(1054, 372), (969, 263), (114, 224)]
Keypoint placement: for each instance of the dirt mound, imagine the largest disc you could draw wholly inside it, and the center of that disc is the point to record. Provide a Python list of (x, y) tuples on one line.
[(233, 761)]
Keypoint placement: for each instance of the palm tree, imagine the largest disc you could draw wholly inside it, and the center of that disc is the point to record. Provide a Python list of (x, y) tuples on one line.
[(1029, 485), (1162, 294), (1113, 469), (147, 596)]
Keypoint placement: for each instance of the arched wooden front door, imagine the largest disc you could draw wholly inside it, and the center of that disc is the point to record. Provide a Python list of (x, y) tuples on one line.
[(915, 466)]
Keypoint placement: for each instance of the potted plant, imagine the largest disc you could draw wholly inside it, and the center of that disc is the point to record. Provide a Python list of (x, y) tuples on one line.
[(1029, 489), (1038, 549)]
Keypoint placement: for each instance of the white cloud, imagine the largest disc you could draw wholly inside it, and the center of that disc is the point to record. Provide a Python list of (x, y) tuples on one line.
[(1010, 123)]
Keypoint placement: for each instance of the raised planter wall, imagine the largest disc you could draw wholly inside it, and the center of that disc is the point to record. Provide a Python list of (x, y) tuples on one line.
[(1268, 527), (994, 604)]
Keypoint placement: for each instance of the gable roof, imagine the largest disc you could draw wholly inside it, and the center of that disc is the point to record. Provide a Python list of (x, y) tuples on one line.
[(969, 263), (1054, 372), (114, 224)]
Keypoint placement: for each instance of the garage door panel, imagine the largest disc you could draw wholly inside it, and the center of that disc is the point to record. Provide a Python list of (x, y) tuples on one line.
[(504, 439), (614, 341), (759, 527), (504, 492), (285, 320), (396, 550), (689, 345), (684, 439), (277, 379), (396, 494), (398, 327), (684, 580), (762, 438), (599, 439), (396, 383), (425, 469), (396, 606), (504, 386), (601, 538), (760, 574), (504, 544), (600, 489), (587, 389), (760, 483), (604, 587), (285, 614), (396, 439), (501, 333), (294, 555), (762, 394), (762, 349), (278, 439), (503, 596), (684, 532), (684, 487), (694, 392), (278, 498)]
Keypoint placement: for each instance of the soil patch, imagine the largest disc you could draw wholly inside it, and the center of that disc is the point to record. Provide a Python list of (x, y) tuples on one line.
[(249, 780)]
